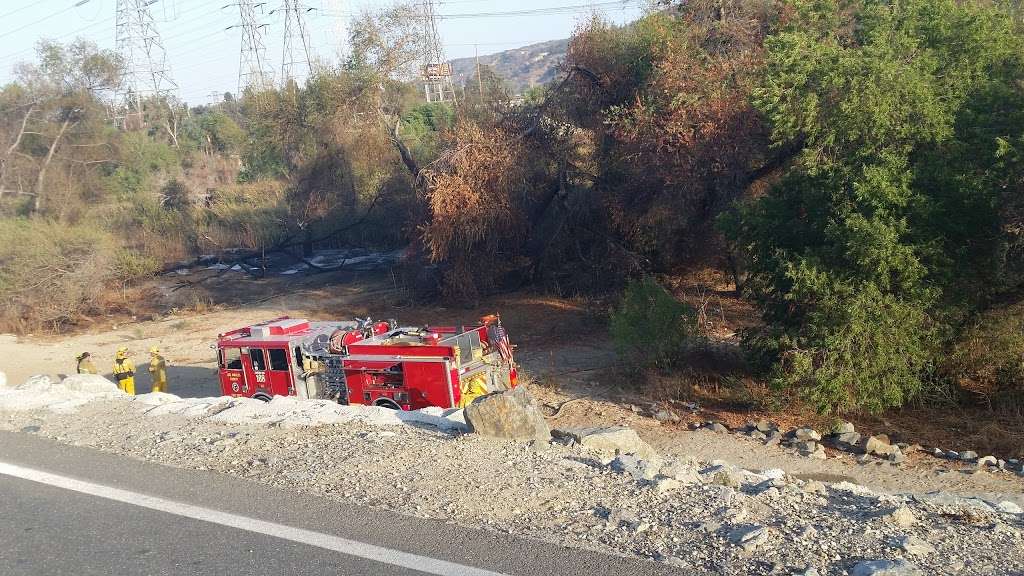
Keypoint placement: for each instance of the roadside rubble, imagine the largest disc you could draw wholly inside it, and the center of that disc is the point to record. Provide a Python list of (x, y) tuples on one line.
[(844, 438), (604, 489)]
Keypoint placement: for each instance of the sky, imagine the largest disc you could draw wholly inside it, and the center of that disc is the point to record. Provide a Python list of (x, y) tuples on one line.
[(203, 53)]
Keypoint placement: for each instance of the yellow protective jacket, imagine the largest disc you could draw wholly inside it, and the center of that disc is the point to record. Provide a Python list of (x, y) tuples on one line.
[(123, 368), (158, 368), (85, 366)]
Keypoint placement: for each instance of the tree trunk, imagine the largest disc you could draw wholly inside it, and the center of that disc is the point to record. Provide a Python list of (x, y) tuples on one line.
[(404, 152), (38, 190), (171, 126), (13, 147)]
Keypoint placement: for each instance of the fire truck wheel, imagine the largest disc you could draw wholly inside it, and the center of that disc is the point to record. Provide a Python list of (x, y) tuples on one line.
[(261, 397), (386, 403)]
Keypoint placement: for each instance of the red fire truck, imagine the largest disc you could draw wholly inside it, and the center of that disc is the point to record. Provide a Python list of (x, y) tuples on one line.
[(366, 362)]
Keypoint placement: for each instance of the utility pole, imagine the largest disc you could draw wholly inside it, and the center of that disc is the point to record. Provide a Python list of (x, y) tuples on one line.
[(294, 25), (437, 72), (147, 73), (253, 67), (479, 79)]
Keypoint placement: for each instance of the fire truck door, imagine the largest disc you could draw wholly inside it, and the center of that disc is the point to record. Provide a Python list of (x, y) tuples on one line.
[(278, 374), (232, 377), (255, 363)]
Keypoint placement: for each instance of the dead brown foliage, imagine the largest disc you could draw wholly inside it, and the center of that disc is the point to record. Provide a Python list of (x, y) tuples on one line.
[(473, 193)]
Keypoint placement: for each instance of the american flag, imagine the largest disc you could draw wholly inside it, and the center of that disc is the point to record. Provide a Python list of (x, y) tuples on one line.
[(500, 339)]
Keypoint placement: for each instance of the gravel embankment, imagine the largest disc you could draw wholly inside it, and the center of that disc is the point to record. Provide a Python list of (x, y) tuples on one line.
[(704, 517)]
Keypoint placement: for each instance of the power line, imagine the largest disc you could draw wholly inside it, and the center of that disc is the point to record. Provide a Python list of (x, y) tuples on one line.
[(7, 57), (550, 10), (34, 22), (16, 10)]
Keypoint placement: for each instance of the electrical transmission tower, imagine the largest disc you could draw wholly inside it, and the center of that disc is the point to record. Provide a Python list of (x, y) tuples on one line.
[(437, 72), (294, 25), (254, 69), (146, 72)]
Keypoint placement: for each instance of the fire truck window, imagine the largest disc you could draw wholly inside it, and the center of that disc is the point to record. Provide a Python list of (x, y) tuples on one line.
[(256, 357), (278, 359), (231, 359)]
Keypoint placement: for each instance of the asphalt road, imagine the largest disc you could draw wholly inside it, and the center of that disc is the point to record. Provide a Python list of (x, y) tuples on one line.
[(76, 511)]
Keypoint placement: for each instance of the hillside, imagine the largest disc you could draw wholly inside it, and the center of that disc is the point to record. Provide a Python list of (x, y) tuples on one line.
[(523, 67)]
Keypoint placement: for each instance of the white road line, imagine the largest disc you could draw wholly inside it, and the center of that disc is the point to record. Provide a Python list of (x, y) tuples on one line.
[(308, 537)]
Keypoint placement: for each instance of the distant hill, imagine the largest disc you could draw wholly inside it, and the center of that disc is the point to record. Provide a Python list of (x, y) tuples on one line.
[(523, 68)]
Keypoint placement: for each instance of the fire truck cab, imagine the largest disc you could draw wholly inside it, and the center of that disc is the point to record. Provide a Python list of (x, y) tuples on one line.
[(365, 362)]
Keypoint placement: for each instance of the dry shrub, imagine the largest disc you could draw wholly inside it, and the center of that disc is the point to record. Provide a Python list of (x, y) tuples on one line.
[(251, 216), (673, 101), (50, 274), (476, 222), (987, 362)]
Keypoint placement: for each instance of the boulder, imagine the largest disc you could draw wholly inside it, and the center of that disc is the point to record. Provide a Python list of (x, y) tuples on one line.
[(811, 449), (806, 434), (901, 516), (879, 446), (666, 416), (666, 485), (843, 428), (636, 467), (511, 415), (717, 427), (681, 472), (609, 440), (1009, 507), (968, 455), (749, 536), (988, 461), (897, 567), (723, 476)]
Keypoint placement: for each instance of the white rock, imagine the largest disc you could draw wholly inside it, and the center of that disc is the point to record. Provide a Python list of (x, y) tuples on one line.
[(666, 485), (40, 392), (915, 546), (806, 434), (1009, 507), (901, 516), (988, 461), (897, 567)]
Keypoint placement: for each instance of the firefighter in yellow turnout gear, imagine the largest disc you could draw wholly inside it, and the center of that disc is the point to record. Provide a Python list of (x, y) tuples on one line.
[(158, 370), (124, 371), (85, 365)]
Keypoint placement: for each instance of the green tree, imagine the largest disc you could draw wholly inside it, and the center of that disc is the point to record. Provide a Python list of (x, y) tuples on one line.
[(846, 253)]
